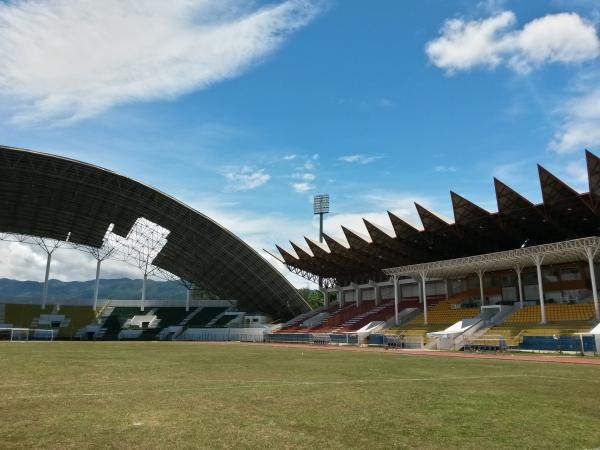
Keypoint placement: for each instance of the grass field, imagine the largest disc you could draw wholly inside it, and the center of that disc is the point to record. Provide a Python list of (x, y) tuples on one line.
[(191, 395)]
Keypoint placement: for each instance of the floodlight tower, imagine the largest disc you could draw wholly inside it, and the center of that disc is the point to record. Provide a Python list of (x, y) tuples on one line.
[(321, 207)]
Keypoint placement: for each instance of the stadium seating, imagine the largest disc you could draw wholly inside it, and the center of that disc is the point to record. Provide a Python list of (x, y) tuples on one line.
[(440, 315), (296, 323), (114, 322), (554, 313), (76, 317), (562, 320), (338, 317), (167, 316), (22, 316), (205, 315), (223, 320)]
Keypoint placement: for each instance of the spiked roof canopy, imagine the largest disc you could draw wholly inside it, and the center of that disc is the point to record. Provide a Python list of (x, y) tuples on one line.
[(564, 214)]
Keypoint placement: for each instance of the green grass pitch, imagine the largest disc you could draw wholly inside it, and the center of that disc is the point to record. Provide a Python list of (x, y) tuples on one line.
[(72, 395)]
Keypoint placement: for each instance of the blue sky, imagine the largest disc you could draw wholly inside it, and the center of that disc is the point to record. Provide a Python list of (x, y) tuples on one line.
[(247, 110)]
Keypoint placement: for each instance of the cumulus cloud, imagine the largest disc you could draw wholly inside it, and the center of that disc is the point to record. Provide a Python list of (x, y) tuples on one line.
[(28, 262), (581, 123), (65, 60), (359, 159), (302, 187), (490, 42), (245, 178)]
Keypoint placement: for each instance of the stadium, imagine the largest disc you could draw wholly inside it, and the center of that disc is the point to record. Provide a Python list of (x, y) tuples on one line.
[(299, 224), (519, 280)]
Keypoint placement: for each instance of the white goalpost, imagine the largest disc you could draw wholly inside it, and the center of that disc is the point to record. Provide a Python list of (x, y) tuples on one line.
[(26, 334)]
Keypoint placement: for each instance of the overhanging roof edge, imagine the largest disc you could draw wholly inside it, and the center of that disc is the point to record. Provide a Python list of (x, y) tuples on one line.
[(554, 253)]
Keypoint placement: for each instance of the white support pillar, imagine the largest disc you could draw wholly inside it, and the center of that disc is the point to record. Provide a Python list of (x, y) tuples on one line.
[(97, 285), (341, 299), (357, 294), (591, 253), (377, 290), (188, 294), (519, 270), (144, 291), (447, 288), (481, 293), (45, 291), (396, 295), (424, 281), (538, 259), (325, 297)]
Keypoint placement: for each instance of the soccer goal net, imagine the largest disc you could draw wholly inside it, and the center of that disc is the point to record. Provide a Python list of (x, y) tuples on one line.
[(25, 334)]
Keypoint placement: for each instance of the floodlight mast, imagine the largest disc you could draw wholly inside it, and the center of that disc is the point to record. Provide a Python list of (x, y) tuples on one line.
[(321, 207)]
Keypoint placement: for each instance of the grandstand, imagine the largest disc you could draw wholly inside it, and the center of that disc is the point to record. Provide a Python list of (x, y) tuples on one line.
[(526, 270)]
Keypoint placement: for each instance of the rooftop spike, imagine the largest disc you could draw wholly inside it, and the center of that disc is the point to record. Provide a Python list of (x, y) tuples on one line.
[(431, 222), (465, 211)]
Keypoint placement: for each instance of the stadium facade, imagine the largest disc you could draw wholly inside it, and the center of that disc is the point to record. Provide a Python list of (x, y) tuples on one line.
[(62, 199)]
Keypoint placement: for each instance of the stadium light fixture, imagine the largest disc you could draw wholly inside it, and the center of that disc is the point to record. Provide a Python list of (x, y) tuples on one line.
[(321, 207)]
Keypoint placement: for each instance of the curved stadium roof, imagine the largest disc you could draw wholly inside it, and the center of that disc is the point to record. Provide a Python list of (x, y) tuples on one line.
[(54, 197)]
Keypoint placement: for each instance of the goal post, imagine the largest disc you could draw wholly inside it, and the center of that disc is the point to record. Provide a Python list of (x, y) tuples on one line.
[(26, 334)]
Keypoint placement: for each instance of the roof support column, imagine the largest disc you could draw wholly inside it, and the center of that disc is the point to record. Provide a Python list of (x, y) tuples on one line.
[(377, 290), (396, 295), (325, 297), (590, 252), (446, 288), (341, 299), (188, 294), (423, 275), (97, 285), (519, 270), (45, 291), (538, 259), (357, 294), (144, 291), (480, 274)]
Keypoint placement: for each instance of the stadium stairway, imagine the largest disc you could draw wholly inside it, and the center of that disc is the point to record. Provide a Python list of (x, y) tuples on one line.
[(310, 319), (380, 312), (112, 321), (341, 315), (441, 314), (205, 315)]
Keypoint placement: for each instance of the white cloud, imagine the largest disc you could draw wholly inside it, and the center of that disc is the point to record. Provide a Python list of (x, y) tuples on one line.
[(28, 262), (581, 125), (463, 45), (65, 60), (289, 157), (304, 176), (245, 178), (302, 187), (442, 168), (577, 174), (359, 159)]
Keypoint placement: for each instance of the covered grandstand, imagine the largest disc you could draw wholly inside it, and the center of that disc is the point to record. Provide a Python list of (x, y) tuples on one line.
[(532, 264), (60, 199)]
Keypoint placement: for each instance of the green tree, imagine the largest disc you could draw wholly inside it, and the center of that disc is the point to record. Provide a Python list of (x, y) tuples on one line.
[(313, 297)]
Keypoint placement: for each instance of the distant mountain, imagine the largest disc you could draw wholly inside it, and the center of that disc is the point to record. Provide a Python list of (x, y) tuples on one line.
[(118, 289)]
